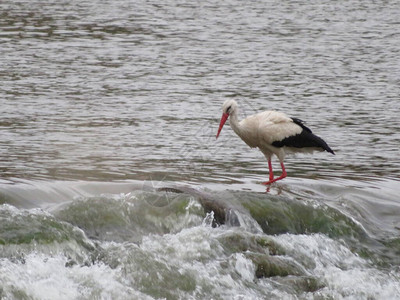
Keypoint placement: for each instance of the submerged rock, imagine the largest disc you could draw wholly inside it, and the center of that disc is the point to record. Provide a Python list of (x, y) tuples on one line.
[(306, 284), (270, 266), (224, 212), (23, 231), (246, 242)]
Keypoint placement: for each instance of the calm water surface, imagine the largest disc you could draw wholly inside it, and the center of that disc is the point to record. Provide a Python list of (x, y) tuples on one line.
[(99, 99)]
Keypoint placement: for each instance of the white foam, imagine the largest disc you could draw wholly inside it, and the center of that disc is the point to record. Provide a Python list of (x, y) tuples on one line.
[(218, 273), (345, 274), (44, 277), (206, 265), (245, 267)]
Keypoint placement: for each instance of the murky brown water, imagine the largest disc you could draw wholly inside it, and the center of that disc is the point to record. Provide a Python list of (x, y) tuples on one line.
[(116, 90)]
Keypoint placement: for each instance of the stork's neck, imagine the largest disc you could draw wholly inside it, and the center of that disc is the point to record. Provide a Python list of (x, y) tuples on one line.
[(234, 122), (247, 133)]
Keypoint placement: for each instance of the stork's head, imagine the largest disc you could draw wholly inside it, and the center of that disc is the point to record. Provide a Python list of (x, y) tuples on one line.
[(229, 107)]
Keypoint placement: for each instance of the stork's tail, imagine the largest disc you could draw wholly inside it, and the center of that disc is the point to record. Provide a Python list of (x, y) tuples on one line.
[(305, 139), (323, 144)]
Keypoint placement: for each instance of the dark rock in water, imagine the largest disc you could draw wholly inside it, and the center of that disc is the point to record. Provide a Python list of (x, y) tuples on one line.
[(298, 284), (278, 215), (243, 242), (270, 261), (273, 247), (170, 189), (29, 231), (223, 211), (270, 266)]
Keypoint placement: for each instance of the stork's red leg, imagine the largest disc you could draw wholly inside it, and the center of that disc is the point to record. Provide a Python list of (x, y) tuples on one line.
[(271, 173), (283, 175)]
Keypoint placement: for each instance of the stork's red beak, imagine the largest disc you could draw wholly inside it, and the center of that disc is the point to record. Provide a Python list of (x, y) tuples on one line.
[(221, 124)]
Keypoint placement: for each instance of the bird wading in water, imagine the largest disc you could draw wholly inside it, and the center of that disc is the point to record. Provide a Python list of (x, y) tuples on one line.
[(273, 133)]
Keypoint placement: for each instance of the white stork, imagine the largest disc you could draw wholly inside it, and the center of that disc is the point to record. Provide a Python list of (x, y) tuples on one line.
[(273, 133)]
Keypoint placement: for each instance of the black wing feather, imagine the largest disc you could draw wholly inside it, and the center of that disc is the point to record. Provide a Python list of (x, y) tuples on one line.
[(304, 139), (301, 124)]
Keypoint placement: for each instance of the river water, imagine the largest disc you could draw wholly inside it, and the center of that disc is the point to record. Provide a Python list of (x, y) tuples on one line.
[(105, 103)]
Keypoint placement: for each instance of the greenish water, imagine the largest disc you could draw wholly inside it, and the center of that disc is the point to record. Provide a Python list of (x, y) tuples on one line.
[(145, 243)]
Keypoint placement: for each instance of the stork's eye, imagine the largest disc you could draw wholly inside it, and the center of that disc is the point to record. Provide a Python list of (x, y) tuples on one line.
[(228, 109)]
